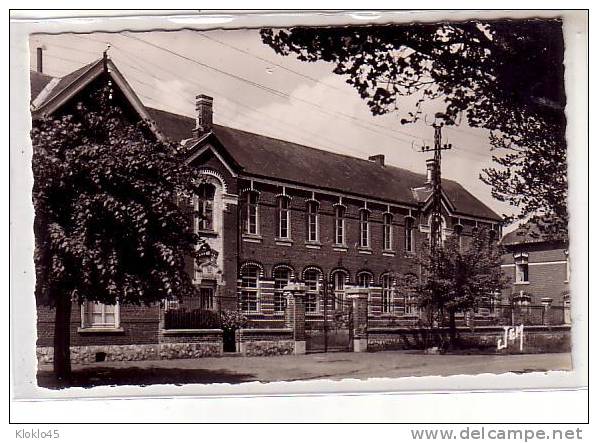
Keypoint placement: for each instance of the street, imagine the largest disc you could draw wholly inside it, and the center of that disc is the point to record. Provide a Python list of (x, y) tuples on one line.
[(333, 366)]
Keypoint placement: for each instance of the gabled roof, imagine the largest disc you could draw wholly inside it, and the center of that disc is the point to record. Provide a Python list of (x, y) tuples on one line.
[(260, 156)]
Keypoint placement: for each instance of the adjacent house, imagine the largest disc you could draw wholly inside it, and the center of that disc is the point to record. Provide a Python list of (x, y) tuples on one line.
[(538, 270)]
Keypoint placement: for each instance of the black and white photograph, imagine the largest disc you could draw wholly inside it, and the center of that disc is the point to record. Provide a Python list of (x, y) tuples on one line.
[(301, 203)]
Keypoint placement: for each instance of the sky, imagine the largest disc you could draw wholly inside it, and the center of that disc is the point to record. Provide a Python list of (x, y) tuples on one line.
[(256, 90)]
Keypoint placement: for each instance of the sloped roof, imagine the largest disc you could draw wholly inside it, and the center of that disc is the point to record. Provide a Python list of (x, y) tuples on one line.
[(279, 159), (263, 156), (38, 82), (527, 233), (174, 126)]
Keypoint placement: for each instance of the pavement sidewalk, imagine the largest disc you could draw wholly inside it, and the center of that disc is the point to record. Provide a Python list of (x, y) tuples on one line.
[(334, 366)]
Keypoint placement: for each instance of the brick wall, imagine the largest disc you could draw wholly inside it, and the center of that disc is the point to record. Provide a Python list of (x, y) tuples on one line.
[(139, 325), (547, 271)]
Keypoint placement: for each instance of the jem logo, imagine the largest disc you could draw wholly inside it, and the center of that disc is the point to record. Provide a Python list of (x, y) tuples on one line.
[(37, 434)]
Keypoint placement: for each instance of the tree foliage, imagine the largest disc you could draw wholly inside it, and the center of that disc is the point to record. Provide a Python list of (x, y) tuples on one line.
[(457, 277), (504, 76), (108, 223)]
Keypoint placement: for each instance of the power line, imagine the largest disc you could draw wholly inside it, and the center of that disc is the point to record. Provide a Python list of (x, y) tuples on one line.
[(235, 48), (268, 89), (277, 92)]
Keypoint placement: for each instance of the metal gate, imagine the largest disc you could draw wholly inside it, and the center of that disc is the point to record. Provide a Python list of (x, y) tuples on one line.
[(331, 332)]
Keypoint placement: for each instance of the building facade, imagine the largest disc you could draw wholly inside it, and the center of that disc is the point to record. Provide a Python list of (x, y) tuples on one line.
[(538, 270), (274, 212)]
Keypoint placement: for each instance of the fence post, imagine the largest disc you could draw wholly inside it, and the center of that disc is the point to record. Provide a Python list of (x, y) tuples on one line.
[(546, 317), (295, 314), (359, 296)]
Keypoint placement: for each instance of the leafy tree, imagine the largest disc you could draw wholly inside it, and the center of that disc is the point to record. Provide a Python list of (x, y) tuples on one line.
[(108, 227), (456, 278), (504, 76)]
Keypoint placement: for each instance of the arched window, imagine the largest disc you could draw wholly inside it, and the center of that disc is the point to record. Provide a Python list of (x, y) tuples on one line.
[(338, 287), (284, 217), (282, 277), (387, 231), (313, 229), (252, 225), (250, 288), (442, 227), (204, 206), (339, 225), (364, 279), (311, 278), (364, 228), (387, 293), (409, 240)]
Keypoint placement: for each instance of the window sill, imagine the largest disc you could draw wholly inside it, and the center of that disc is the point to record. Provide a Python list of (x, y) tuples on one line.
[(521, 283), (410, 254), (362, 250), (389, 253), (340, 248), (252, 238), (97, 330), (313, 245), (283, 241)]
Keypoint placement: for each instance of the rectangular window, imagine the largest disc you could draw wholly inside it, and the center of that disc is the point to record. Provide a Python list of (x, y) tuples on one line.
[(99, 315), (387, 232), (409, 244), (252, 223), (521, 273), (339, 225), (249, 289), (284, 219), (312, 221), (364, 228)]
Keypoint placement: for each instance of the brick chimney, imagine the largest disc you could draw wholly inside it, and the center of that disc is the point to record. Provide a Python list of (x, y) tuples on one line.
[(203, 106), (431, 171), (40, 60), (378, 158)]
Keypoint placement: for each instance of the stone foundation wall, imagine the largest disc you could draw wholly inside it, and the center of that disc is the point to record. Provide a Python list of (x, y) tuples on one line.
[(172, 344), (92, 354), (266, 342), (169, 351), (537, 339)]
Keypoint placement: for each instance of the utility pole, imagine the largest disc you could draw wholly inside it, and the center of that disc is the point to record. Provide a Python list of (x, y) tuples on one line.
[(436, 181)]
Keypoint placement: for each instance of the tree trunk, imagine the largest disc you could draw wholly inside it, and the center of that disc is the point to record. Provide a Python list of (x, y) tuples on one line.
[(62, 338)]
